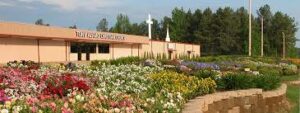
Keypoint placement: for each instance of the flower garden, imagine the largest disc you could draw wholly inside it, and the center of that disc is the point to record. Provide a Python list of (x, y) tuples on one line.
[(131, 84)]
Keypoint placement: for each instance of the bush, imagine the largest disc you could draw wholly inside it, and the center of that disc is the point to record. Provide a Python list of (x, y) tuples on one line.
[(235, 81), (23, 64), (205, 73), (99, 62), (267, 82), (289, 69), (189, 86), (217, 58), (119, 61), (269, 60), (125, 60), (251, 66), (265, 70)]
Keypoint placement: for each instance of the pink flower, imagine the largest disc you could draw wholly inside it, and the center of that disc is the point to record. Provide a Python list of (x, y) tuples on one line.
[(44, 105), (34, 109), (31, 101), (52, 105), (66, 110), (113, 104)]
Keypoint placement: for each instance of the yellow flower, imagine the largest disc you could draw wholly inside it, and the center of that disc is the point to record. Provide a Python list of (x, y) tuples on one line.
[(40, 111)]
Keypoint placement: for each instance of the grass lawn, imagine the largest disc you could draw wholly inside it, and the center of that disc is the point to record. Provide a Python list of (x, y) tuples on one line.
[(293, 93)]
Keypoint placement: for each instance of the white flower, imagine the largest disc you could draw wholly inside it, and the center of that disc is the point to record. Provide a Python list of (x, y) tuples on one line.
[(79, 98), (4, 111), (117, 110)]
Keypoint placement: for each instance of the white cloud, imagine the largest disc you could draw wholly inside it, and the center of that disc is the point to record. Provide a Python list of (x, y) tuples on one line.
[(5, 4), (71, 5)]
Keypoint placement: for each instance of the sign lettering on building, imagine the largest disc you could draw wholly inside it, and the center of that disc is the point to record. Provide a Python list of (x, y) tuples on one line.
[(95, 35)]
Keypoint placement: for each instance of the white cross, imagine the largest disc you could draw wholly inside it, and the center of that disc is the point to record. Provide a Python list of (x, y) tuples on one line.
[(150, 22)]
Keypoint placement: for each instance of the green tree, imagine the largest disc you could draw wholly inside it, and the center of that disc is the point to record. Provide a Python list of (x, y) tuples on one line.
[(73, 27), (164, 23), (179, 25), (282, 23), (102, 25), (41, 22), (204, 32), (242, 35), (122, 25), (225, 29), (265, 13)]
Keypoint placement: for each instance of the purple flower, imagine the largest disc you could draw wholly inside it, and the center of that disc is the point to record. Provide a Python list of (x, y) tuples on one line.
[(200, 65)]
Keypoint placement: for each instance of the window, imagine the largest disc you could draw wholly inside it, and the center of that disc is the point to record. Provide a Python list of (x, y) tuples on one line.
[(74, 48), (89, 48), (103, 48), (83, 48)]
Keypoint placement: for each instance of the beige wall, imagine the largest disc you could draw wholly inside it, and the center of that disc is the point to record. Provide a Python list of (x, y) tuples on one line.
[(123, 50), (18, 49), (180, 48), (135, 50), (162, 47), (52, 51), (32, 49), (59, 51)]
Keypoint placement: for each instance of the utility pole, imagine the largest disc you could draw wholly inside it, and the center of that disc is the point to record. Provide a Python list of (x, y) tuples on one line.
[(250, 27), (262, 37), (283, 45)]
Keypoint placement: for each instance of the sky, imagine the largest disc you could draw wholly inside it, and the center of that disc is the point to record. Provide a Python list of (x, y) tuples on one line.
[(87, 13)]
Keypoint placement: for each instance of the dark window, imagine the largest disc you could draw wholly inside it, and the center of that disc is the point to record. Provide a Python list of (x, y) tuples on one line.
[(89, 48), (103, 48), (83, 48), (74, 48)]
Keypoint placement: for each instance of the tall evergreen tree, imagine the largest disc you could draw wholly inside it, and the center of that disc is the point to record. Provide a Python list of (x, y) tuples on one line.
[(179, 25), (122, 25), (102, 25), (165, 22)]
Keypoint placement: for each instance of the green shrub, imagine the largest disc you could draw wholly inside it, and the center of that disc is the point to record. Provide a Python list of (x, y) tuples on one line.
[(235, 81), (99, 62), (289, 69), (217, 58), (205, 73), (265, 70), (267, 82), (189, 86), (269, 60), (125, 60), (252, 66)]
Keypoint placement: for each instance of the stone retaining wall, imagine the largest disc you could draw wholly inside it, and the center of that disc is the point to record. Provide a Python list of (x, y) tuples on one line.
[(241, 101)]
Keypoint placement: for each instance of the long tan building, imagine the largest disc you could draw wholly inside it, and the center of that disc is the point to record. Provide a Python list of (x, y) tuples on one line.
[(20, 41)]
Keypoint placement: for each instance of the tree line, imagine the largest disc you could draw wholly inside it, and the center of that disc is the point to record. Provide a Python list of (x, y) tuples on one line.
[(220, 32)]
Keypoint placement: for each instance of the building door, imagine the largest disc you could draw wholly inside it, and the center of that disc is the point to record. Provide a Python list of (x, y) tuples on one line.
[(87, 57), (170, 54), (79, 51)]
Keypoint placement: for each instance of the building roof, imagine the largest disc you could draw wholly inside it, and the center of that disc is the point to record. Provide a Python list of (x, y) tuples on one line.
[(21, 30)]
